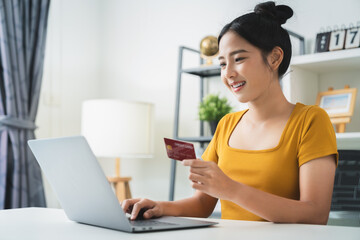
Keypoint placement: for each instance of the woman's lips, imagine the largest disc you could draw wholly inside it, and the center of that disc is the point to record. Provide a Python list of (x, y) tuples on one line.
[(238, 86)]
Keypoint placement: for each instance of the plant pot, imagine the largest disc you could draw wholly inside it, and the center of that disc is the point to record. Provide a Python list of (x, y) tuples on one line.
[(213, 125)]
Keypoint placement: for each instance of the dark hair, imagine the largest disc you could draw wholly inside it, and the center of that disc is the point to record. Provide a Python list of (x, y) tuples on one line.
[(262, 28)]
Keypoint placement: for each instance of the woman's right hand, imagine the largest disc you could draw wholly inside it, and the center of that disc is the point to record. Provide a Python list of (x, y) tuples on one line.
[(134, 206)]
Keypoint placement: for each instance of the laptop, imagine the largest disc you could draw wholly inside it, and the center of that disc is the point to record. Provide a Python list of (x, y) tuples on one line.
[(84, 192)]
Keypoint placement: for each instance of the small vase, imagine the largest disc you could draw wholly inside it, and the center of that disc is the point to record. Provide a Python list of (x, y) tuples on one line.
[(213, 125)]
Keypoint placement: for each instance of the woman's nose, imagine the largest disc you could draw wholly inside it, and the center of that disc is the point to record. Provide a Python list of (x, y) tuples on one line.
[(229, 71)]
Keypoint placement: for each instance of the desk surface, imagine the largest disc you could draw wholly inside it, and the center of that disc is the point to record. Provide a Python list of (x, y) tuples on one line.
[(42, 223)]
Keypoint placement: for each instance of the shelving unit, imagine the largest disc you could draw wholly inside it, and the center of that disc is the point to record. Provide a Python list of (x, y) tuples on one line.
[(314, 73), (202, 72)]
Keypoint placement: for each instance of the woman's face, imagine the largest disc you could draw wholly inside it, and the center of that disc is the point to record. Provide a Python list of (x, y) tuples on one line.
[(243, 69)]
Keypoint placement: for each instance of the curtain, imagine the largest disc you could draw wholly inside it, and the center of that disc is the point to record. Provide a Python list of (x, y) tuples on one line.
[(23, 25)]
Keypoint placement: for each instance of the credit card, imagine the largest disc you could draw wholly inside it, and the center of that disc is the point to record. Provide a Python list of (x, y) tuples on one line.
[(179, 150)]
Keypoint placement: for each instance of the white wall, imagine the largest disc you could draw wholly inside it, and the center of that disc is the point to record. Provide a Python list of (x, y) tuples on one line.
[(129, 50), (71, 70)]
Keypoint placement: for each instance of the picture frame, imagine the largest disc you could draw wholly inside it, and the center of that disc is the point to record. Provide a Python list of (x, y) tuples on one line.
[(338, 103)]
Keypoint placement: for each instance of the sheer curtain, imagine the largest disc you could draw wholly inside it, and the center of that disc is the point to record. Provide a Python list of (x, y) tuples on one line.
[(22, 44)]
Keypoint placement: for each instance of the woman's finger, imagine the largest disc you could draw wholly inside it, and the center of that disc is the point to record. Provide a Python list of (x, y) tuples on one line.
[(200, 171), (143, 205), (198, 186), (153, 212), (195, 163), (197, 178), (128, 203)]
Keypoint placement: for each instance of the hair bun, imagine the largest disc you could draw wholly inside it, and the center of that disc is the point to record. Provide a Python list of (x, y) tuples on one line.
[(279, 13)]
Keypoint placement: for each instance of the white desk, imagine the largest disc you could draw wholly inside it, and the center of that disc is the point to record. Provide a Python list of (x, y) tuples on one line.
[(42, 223)]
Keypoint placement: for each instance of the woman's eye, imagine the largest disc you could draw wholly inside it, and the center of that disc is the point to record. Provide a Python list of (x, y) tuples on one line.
[(222, 64), (239, 59)]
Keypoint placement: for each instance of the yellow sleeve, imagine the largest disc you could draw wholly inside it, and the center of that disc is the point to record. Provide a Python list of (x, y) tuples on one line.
[(211, 152), (318, 137)]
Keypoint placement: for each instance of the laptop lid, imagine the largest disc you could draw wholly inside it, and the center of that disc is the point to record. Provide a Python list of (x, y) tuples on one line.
[(79, 182), (82, 188)]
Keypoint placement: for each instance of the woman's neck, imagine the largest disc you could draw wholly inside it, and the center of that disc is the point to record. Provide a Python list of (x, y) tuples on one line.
[(269, 105)]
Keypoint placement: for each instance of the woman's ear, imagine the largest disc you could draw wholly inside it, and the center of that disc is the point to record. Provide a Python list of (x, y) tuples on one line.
[(275, 58)]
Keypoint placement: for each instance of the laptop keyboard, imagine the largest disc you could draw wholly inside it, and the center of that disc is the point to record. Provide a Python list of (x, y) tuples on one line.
[(149, 222)]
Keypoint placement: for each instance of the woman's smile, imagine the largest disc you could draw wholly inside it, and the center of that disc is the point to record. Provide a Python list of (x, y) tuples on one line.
[(237, 86)]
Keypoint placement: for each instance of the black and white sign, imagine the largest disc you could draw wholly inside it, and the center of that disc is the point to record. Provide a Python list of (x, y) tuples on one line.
[(337, 40), (331, 40), (322, 42), (352, 38)]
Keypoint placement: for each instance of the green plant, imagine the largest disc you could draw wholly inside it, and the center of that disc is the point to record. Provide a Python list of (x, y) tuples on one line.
[(213, 108)]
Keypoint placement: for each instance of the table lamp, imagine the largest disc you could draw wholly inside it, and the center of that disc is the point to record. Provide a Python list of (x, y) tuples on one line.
[(118, 129)]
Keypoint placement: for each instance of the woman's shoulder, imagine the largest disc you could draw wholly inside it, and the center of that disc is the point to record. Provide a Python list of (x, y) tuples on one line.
[(310, 117), (234, 115), (310, 111), (231, 119)]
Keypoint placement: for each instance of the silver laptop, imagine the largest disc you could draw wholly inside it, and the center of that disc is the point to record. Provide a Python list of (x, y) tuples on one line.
[(84, 192)]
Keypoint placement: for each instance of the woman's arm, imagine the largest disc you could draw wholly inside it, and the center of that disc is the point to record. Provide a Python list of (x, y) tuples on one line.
[(316, 186), (199, 205)]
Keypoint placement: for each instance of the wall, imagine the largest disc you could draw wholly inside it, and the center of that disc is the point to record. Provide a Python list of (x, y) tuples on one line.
[(71, 69), (129, 50)]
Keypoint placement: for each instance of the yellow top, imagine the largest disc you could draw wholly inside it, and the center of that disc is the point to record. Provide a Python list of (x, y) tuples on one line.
[(308, 135)]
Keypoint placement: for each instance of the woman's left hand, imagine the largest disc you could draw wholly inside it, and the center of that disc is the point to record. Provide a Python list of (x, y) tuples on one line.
[(208, 178)]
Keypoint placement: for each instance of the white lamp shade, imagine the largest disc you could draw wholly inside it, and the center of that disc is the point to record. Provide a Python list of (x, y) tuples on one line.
[(116, 128)]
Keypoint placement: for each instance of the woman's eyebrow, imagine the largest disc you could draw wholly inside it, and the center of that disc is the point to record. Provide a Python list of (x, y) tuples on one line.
[(233, 53)]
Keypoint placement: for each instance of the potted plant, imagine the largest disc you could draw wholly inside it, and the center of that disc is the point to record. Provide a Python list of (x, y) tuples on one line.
[(212, 109)]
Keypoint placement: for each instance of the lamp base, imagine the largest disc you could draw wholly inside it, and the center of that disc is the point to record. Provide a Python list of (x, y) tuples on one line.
[(121, 186)]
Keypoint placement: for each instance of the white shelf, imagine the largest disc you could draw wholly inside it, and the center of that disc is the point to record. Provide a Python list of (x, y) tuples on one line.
[(341, 60), (314, 73), (348, 141), (348, 135)]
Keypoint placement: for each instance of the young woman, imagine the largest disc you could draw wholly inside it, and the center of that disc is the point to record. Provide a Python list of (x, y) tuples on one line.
[(275, 161)]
